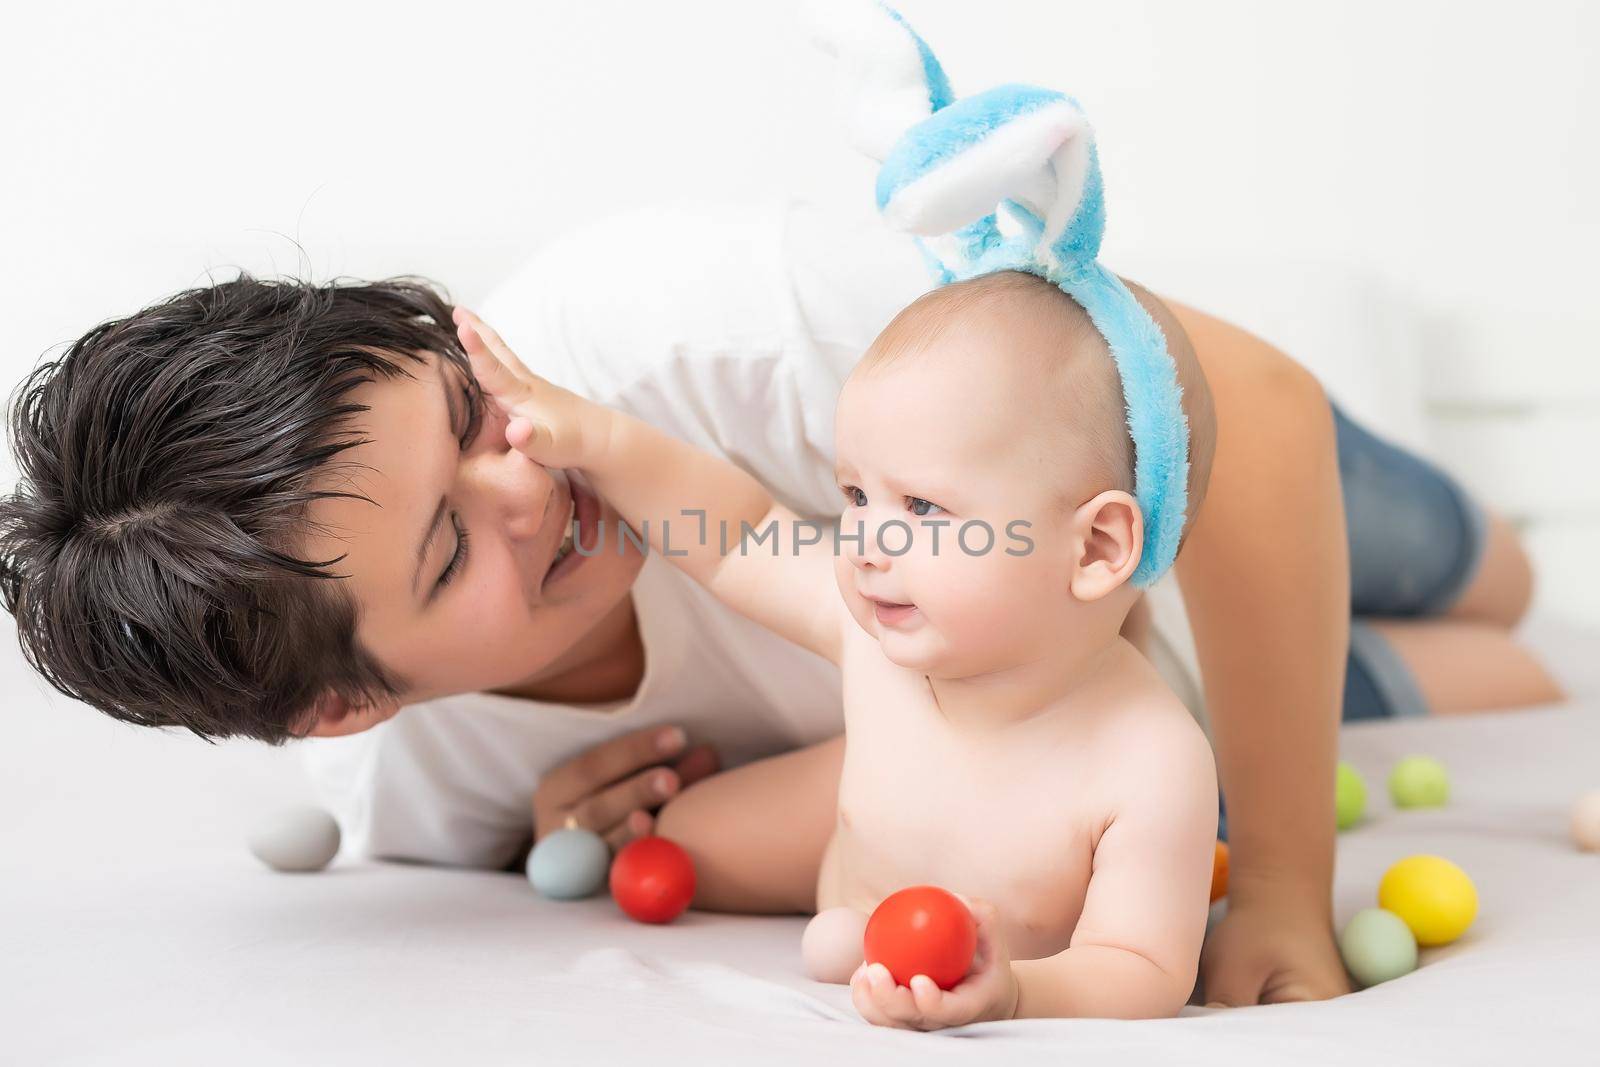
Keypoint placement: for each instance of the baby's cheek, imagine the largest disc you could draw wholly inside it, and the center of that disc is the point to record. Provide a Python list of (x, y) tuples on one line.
[(844, 579), (1026, 591), (975, 600)]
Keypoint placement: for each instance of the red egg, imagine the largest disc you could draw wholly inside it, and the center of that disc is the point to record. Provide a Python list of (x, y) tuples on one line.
[(922, 930), (652, 880)]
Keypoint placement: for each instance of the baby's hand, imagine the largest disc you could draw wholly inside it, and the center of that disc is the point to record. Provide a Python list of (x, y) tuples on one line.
[(989, 991), (550, 425)]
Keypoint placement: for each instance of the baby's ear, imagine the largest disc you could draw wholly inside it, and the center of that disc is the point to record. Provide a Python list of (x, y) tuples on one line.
[(1108, 538), (332, 715)]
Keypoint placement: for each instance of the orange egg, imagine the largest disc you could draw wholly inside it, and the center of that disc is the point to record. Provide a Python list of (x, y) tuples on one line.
[(1219, 872)]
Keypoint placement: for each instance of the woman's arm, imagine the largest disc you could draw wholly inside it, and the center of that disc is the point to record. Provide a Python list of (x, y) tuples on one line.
[(1266, 583), (757, 833)]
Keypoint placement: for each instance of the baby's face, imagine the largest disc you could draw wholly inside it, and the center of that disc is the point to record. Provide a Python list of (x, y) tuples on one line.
[(956, 476)]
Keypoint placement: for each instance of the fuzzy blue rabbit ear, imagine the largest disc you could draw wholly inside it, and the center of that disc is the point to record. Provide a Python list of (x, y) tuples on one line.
[(1009, 179), (1025, 149)]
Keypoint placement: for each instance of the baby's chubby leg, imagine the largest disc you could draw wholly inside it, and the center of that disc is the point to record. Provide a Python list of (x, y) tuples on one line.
[(831, 945), (757, 833)]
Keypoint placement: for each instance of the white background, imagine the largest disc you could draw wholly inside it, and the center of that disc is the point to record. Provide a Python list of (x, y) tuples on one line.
[(1443, 153)]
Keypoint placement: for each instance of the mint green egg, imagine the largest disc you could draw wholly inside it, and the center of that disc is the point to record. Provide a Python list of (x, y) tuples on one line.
[(1350, 796), (1419, 782), (1377, 945)]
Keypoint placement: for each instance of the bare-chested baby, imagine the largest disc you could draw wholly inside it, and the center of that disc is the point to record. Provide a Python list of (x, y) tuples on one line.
[(1003, 740)]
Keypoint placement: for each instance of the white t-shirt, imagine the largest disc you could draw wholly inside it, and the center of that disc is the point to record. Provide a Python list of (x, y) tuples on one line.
[(452, 780), (732, 327)]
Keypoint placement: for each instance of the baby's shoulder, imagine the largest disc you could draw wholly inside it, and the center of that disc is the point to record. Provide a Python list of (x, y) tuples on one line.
[(1151, 727)]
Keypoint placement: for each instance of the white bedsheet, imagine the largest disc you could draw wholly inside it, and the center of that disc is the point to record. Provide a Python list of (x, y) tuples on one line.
[(135, 929)]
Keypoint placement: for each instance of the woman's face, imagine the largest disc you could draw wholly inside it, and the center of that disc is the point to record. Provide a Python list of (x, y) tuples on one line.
[(452, 570)]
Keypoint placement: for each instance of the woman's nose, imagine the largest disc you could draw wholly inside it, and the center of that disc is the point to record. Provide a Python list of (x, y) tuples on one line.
[(524, 491), (524, 522), (516, 487)]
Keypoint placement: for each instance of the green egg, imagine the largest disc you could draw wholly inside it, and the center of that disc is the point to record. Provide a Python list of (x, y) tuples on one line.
[(1419, 782), (1350, 796), (1377, 945)]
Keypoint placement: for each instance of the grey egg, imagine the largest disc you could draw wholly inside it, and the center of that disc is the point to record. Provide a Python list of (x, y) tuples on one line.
[(296, 839), (569, 864)]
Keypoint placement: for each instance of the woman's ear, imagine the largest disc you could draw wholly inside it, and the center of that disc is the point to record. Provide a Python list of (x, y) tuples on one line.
[(1108, 537), (331, 715)]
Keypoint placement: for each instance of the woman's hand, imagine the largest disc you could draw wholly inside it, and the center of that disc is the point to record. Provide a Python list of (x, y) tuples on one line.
[(1269, 953), (988, 992), (614, 787), (550, 425)]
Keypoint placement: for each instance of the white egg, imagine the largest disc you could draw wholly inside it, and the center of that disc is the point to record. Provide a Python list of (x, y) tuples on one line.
[(831, 945), (296, 839)]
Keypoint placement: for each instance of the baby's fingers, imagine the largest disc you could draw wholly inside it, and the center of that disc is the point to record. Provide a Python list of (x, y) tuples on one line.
[(521, 433), (930, 999), (861, 996), (872, 994), (493, 343), (498, 369), (494, 376), (952, 1007)]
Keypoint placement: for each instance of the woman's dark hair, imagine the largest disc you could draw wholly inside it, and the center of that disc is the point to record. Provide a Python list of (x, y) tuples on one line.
[(167, 462)]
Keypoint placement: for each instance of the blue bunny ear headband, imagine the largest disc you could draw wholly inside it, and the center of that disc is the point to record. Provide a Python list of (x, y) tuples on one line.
[(1009, 179)]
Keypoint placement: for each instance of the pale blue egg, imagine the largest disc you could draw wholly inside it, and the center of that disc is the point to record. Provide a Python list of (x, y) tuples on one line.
[(569, 864)]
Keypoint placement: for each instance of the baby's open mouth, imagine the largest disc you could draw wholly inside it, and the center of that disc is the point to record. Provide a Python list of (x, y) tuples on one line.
[(890, 612)]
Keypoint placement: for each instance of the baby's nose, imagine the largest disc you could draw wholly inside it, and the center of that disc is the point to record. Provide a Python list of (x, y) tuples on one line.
[(862, 547)]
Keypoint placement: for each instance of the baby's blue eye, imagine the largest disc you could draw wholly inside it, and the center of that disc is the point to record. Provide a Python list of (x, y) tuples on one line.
[(854, 496), (920, 506)]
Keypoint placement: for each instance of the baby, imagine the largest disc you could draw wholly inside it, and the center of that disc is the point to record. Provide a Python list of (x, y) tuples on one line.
[(1003, 740)]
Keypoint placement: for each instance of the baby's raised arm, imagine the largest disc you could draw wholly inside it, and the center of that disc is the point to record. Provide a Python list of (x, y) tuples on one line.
[(703, 513), (1136, 948)]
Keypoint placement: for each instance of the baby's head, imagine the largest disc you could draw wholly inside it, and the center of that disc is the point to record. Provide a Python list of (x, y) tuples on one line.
[(988, 419)]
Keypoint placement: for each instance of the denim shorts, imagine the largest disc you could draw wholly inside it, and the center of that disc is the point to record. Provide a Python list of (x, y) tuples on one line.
[(1416, 542)]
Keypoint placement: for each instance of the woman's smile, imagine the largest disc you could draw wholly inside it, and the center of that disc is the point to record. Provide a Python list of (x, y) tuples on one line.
[(583, 507)]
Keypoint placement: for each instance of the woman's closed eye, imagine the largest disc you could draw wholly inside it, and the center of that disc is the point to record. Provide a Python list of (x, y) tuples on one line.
[(459, 560)]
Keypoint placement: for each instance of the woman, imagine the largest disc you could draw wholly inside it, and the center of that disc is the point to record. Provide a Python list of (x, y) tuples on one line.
[(147, 571)]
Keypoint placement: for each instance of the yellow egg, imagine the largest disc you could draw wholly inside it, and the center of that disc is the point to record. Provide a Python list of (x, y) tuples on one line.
[(1434, 897)]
